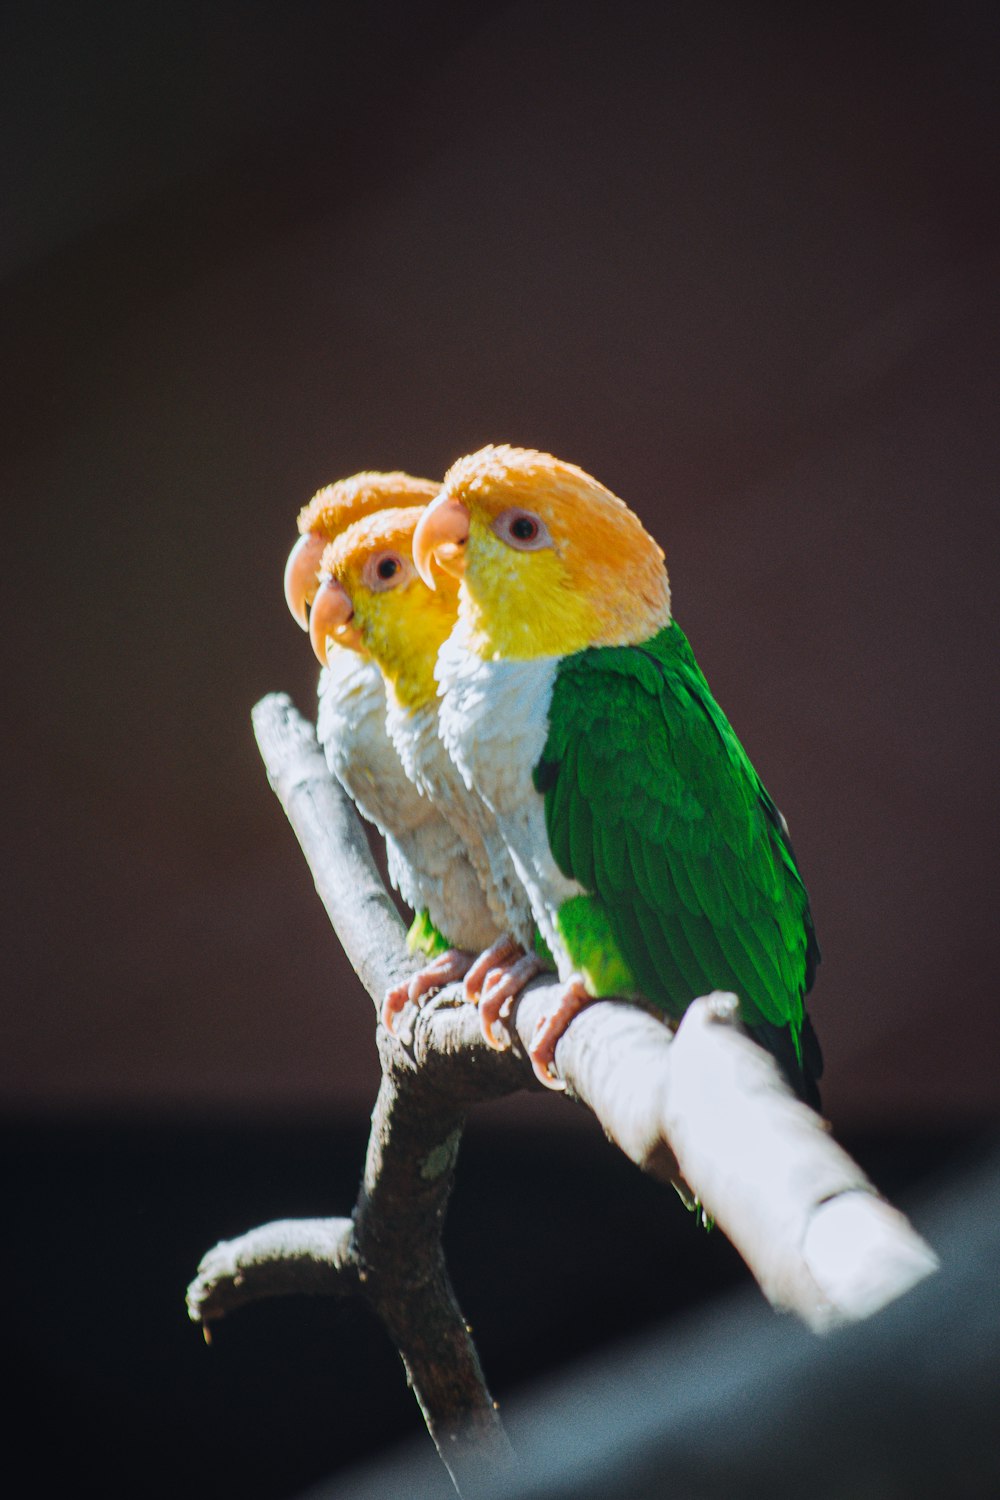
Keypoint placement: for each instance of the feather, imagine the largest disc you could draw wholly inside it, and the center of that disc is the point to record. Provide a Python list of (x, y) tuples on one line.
[(655, 808)]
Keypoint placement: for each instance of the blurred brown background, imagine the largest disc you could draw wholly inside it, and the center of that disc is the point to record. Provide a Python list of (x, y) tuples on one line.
[(738, 261)]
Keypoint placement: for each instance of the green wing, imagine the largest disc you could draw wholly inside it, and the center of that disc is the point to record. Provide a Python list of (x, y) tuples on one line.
[(653, 806)]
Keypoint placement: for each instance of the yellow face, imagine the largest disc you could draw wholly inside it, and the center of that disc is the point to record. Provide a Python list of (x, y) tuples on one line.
[(389, 612), (550, 561)]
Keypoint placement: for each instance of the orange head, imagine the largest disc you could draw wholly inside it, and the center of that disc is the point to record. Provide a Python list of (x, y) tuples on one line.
[(549, 560), (329, 512), (372, 599)]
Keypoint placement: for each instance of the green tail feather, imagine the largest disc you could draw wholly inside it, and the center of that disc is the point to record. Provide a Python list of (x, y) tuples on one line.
[(423, 936)]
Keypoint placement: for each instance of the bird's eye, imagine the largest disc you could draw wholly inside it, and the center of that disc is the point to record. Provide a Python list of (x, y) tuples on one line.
[(522, 529), (385, 570)]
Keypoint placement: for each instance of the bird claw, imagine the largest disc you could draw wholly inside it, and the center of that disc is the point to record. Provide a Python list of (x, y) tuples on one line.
[(542, 1051), (500, 991), (444, 970), (392, 1003), (497, 956)]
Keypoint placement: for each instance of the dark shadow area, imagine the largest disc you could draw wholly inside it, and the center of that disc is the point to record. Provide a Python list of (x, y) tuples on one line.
[(558, 1251), (728, 1402)]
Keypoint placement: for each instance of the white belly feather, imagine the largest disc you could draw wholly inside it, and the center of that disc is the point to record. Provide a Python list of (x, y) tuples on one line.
[(494, 719), (417, 739), (427, 861)]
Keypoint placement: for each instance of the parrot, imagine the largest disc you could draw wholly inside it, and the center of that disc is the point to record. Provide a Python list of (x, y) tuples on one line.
[(427, 862), (371, 600), (657, 865)]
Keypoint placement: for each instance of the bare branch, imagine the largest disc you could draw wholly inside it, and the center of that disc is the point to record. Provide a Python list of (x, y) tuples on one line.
[(334, 844), (289, 1256), (704, 1105), (390, 1252)]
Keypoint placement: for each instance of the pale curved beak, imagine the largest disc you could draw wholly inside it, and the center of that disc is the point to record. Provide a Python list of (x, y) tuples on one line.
[(441, 536), (302, 576), (331, 618)]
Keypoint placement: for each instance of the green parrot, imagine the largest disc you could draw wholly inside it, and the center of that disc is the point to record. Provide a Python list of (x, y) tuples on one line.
[(656, 864)]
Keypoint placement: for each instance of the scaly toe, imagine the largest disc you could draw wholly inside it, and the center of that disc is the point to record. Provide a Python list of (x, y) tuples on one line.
[(542, 1052), (497, 956), (489, 1013), (393, 1003), (445, 969), (501, 990)]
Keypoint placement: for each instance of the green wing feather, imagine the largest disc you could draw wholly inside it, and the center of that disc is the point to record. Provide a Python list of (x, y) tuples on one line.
[(653, 806)]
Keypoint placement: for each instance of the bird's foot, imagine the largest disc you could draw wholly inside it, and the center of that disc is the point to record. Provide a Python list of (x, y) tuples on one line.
[(502, 985), (445, 969), (541, 1054), (499, 954)]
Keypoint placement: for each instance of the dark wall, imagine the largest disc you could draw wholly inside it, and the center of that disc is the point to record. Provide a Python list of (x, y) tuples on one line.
[(740, 262)]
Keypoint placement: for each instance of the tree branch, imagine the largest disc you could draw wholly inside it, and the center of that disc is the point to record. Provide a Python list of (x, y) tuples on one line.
[(705, 1105)]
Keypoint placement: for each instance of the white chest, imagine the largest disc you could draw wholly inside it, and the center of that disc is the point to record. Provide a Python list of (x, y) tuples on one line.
[(350, 725), (416, 737), (494, 722)]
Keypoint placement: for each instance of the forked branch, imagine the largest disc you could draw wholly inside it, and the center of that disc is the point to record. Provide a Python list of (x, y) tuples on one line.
[(704, 1105)]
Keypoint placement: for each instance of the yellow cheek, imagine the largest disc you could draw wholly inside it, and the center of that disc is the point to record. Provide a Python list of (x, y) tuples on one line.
[(523, 604), (404, 629)]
